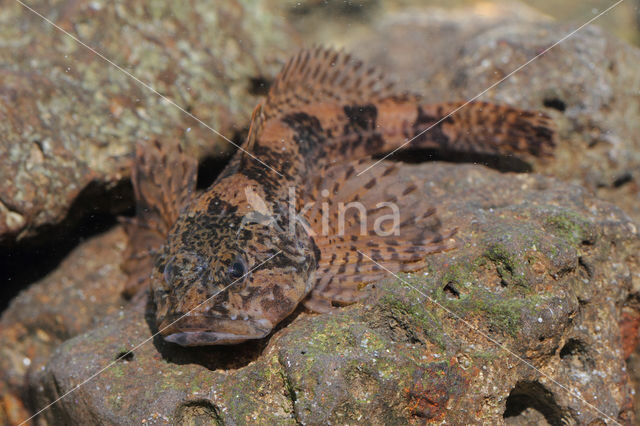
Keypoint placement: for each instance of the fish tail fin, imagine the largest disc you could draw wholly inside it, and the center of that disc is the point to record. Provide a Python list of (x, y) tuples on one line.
[(484, 128), (329, 84)]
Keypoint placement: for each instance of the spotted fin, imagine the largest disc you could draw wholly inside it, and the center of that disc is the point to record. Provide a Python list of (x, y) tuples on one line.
[(164, 178), (374, 118), (322, 75), (480, 127), (354, 253), (404, 122)]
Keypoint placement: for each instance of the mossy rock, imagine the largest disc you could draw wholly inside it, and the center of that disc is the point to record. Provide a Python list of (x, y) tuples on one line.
[(450, 342)]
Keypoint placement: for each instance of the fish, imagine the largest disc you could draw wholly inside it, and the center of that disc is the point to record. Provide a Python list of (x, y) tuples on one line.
[(303, 213)]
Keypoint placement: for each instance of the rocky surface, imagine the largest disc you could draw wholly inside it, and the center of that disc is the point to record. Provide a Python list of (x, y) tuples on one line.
[(589, 83), (542, 268), (83, 289), (69, 119)]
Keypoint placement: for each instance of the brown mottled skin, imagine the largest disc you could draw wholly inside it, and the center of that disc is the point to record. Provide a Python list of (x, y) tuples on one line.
[(324, 118)]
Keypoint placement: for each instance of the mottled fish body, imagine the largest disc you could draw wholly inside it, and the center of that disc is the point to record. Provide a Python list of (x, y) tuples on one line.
[(231, 263)]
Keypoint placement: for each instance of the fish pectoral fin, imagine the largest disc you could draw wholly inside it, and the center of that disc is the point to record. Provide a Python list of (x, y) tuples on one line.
[(316, 303), (138, 256), (369, 227), (340, 291), (348, 266), (164, 179)]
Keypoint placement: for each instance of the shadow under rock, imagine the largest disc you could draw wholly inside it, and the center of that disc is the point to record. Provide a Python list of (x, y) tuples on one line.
[(496, 162), (93, 212)]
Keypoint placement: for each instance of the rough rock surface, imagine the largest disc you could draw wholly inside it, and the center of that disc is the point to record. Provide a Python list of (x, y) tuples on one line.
[(542, 267), (68, 118), (588, 83), (82, 290)]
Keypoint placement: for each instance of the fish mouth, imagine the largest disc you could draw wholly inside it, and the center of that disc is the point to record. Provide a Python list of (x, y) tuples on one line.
[(186, 332)]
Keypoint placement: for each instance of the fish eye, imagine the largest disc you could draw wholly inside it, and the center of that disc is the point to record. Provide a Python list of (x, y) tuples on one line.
[(237, 269)]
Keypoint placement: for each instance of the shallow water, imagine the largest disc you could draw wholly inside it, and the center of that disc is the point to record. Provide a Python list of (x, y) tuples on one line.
[(623, 19), (590, 93)]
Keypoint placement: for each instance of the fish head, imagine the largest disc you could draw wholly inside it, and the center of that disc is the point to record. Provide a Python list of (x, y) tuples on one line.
[(227, 274)]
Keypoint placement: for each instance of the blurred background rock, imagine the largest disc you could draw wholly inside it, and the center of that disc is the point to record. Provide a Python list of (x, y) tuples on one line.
[(623, 20)]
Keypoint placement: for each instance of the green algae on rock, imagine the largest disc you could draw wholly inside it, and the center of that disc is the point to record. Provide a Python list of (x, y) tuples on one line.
[(398, 356), (562, 266)]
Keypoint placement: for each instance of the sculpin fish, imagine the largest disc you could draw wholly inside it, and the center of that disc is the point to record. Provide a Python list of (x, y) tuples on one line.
[(291, 219)]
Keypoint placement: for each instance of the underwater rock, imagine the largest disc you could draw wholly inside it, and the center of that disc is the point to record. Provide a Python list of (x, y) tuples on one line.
[(69, 119), (588, 83), (72, 299), (541, 267)]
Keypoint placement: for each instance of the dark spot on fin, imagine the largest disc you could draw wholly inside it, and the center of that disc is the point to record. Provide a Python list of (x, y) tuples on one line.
[(321, 74), (362, 116)]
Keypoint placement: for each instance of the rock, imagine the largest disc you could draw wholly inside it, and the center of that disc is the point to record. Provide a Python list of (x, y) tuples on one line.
[(588, 83), (84, 288), (68, 118), (542, 268)]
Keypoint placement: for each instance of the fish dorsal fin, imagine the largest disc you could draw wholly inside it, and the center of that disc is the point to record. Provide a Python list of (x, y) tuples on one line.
[(257, 120), (322, 74), (255, 128)]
